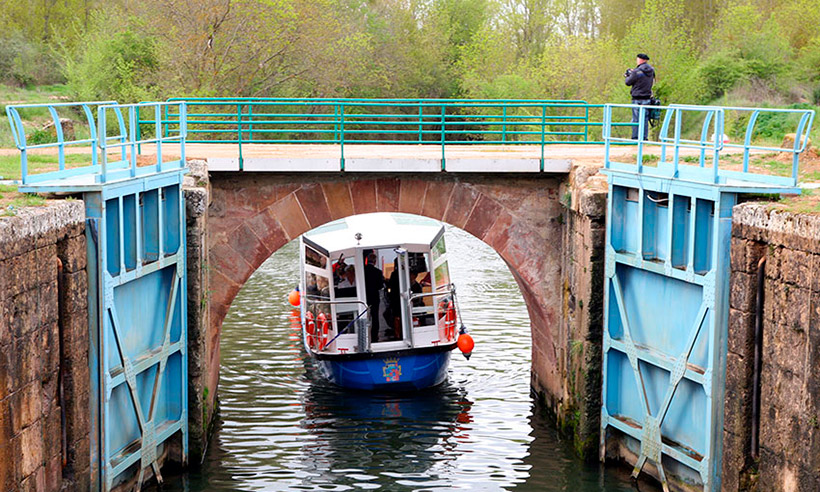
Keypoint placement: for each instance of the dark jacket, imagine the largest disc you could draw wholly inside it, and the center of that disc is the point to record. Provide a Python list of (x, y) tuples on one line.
[(641, 79)]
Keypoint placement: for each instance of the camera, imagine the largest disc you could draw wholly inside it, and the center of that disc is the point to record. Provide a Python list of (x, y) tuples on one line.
[(628, 72)]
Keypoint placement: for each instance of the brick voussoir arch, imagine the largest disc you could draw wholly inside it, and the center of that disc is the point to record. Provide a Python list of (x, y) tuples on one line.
[(244, 237)]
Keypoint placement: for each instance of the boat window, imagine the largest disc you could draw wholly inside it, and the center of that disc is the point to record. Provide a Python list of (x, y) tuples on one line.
[(344, 321), (344, 278), (420, 279), (317, 286), (439, 249), (442, 274), (315, 258)]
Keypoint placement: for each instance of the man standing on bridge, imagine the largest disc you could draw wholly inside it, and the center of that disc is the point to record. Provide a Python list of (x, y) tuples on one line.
[(641, 78)]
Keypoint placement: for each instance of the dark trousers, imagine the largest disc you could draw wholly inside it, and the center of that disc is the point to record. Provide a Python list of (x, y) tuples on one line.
[(636, 118)]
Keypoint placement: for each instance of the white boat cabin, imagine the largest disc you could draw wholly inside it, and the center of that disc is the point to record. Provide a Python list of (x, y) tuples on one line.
[(376, 283)]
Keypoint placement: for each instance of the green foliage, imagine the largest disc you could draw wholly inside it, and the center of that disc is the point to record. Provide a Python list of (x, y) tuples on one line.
[(112, 62), (40, 136), (664, 32), (719, 73)]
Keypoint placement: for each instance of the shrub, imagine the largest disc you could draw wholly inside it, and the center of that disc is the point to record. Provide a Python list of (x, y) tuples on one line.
[(720, 72), (112, 63)]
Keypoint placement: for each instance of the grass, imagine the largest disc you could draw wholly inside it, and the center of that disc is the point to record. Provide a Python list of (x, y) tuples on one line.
[(34, 119), (11, 200), (10, 164)]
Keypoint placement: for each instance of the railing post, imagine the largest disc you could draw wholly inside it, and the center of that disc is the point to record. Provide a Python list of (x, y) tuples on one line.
[(586, 122), (641, 125), (250, 120), (421, 120), (605, 133), (239, 134), (132, 135), (183, 132), (102, 142), (443, 161), (543, 129), (342, 136), (158, 114), (504, 123), (335, 122)]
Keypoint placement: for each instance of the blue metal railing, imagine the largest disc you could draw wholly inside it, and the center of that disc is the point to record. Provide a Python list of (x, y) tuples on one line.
[(441, 122), (100, 139), (710, 146)]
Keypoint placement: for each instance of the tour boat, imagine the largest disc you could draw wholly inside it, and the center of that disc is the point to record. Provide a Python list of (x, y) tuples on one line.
[(378, 309)]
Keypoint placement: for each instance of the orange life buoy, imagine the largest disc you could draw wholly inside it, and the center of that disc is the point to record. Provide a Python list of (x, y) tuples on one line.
[(450, 321), (322, 332), (310, 327)]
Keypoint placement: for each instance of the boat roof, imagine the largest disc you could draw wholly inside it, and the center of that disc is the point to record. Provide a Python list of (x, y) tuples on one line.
[(377, 229)]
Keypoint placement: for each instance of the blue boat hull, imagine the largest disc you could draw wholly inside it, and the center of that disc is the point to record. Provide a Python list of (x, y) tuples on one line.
[(387, 371)]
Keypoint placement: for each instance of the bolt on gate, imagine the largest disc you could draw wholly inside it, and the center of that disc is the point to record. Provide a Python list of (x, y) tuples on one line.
[(667, 284), (135, 231)]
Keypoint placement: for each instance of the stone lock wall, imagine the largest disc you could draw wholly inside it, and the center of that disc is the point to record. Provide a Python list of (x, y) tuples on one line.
[(580, 335), (789, 432), (44, 349)]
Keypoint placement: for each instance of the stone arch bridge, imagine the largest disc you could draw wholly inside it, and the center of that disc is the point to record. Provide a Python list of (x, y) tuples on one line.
[(548, 228)]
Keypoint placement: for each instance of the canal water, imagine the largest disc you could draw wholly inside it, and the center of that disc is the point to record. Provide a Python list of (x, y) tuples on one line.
[(282, 429)]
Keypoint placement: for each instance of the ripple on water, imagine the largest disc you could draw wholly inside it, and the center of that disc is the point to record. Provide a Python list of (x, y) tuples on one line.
[(280, 429)]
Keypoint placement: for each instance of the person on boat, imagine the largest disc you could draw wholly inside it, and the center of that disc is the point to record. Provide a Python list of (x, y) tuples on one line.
[(373, 284)]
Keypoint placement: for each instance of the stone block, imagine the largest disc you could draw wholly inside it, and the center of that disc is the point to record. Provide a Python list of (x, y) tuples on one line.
[(229, 263), (246, 245), (27, 271), (268, 230), (9, 464), (735, 452), (33, 309), (387, 194), (35, 482), (290, 215), (75, 339), (74, 293), (592, 202), (483, 216), (339, 201), (77, 414), (785, 347), (77, 459), (52, 433), (26, 406), (54, 474), (73, 253), (363, 193), (738, 397), (795, 267), (411, 196), (741, 333), (311, 197), (463, 199), (436, 199), (36, 227), (743, 291), (782, 400), (31, 453), (196, 202)]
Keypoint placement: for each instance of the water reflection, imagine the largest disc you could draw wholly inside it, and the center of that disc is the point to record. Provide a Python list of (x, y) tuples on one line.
[(281, 428), (372, 434)]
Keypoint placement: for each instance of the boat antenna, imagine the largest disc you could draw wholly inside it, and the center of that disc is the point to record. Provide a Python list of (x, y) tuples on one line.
[(358, 237)]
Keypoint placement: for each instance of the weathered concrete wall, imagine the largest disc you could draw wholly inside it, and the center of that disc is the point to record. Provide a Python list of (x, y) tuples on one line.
[(790, 376), (43, 347), (579, 335), (554, 251)]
